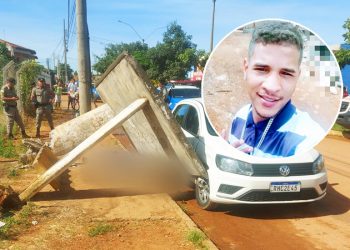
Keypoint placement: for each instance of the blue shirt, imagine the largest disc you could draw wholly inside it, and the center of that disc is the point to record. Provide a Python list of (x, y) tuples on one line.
[(292, 131)]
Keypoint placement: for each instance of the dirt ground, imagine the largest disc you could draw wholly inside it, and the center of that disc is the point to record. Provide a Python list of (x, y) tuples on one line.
[(96, 216)]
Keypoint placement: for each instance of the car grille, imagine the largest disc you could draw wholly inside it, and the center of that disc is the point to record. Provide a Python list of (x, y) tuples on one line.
[(265, 195), (273, 169)]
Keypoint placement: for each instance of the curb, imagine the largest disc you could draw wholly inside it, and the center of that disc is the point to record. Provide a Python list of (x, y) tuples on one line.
[(335, 133), (191, 225)]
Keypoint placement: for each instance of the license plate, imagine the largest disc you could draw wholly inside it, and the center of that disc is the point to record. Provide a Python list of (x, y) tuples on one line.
[(284, 187)]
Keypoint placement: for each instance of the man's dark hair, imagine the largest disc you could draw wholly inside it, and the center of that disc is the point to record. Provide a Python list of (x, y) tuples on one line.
[(276, 32), (11, 80), (41, 80)]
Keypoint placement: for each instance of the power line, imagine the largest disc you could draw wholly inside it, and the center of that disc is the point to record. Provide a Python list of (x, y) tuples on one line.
[(71, 22)]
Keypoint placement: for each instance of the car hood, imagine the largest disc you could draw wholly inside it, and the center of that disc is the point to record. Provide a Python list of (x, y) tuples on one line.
[(219, 146)]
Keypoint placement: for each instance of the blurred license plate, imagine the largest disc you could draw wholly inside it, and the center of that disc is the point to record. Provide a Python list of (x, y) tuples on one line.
[(284, 187)]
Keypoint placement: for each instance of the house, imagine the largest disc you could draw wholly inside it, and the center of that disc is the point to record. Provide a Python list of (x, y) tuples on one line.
[(18, 52)]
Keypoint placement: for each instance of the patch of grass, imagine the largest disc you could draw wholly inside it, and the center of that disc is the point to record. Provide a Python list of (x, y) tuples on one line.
[(100, 229), (16, 222), (7, 148), (12, 173), (197, 238), (338, 127)]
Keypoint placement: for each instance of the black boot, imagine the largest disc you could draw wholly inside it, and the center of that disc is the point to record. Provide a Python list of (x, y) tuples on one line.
[(24, 134), (10, 136), (37, 135)]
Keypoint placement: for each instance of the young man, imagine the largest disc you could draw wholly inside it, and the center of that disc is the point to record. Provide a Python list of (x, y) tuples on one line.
[(271, 126), (9, 100), (72, 89), (42, 96)]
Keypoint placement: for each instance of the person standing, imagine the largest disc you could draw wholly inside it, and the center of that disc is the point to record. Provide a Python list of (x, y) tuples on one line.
[(72, 90), (58, 93), (42, 96), (9, 100)]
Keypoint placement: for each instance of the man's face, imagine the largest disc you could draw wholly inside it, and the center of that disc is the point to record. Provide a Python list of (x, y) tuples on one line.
[(271, 74), (40, 84), (10, 84)]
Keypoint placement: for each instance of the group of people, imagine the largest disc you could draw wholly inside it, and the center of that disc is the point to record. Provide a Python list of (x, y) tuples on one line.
[(72, 89), (43, 97)]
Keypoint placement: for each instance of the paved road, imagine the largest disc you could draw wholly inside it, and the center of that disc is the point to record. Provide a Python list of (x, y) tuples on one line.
[(322, 225)]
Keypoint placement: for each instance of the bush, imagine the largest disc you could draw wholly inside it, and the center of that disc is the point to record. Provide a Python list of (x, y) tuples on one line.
[(29, 71)]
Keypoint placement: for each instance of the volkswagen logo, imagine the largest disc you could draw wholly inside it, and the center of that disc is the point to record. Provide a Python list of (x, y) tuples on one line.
[(284, 170)]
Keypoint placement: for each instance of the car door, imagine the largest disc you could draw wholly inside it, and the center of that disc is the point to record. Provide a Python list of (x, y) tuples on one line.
[(187, 117)]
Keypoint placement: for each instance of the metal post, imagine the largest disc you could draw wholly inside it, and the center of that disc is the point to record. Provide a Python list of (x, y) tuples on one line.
[(65, 52), (212, 27)]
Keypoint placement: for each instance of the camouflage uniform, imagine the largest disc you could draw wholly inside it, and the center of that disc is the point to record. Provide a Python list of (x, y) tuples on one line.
[(42, 98), (11, 111)]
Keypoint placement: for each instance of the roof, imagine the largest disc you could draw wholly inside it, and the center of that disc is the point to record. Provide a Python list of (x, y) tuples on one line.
[(17, 46)]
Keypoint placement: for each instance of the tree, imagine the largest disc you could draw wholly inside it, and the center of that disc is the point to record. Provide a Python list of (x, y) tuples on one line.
[(5, 58), (174, 57), (112, 51), (171, 59), (346, 35), (201, 59), (343, 55), (62, 71)]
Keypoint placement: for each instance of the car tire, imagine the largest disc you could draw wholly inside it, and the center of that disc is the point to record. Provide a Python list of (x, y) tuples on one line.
[(202, 194)]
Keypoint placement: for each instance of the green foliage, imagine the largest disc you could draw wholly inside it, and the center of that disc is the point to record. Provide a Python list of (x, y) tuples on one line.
[(15, 223), (12, 173), (197, 238), (343, 57), (100, 229), (174, 57), (202, 57), (62, 71), (112, 51), (346, 26), (7, 148), (30, 70), (337, 127), (171, 59), (5, 58)]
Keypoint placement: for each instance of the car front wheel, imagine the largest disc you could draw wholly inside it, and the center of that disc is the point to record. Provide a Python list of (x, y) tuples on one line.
[(202, 194)]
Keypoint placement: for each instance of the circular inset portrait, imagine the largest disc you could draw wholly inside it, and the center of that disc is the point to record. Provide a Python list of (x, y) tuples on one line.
[(272, 88)]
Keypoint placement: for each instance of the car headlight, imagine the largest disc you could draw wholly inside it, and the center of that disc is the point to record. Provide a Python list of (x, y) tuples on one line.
[(318, 165), (233, 166)]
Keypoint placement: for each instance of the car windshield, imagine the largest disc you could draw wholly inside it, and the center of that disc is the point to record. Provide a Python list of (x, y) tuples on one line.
[(186, 93)]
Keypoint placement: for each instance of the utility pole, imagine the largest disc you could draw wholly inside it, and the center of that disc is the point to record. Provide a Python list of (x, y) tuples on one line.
[(65, 50), (48, 63), (58, 69), (212, 27), (84, 67)]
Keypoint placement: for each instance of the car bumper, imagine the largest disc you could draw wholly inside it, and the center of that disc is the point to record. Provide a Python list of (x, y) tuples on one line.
[(230, 188)]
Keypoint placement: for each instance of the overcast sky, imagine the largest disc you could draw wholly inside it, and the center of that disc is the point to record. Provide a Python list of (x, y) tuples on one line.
[(38, 24)]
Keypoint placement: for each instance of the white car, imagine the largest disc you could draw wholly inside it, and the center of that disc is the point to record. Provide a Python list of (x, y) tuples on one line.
[(235, 177)]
